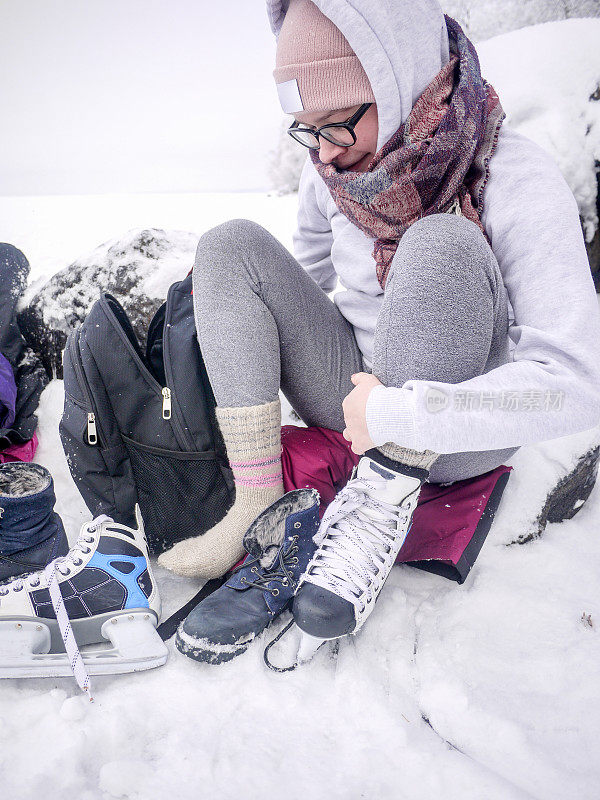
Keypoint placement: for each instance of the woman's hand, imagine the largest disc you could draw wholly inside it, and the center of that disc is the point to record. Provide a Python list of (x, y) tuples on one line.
[(355, 412)]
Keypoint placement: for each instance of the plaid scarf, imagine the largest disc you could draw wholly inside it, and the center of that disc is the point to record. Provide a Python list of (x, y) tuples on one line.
[(437, 161)]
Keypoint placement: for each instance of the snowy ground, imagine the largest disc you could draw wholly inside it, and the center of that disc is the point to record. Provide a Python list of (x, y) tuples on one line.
[(503, 667)]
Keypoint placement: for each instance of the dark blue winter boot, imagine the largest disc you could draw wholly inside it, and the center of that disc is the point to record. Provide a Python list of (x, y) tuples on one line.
[(280, 545), (31, 532)]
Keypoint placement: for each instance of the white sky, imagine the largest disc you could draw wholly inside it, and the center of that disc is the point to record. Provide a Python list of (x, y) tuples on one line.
[(135, 96)]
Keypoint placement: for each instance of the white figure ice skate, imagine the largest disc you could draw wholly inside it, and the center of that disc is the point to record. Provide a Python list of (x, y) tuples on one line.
[(358, 540), (102, 591)]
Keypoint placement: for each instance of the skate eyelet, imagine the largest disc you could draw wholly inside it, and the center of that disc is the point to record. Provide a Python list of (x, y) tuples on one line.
[(297, 524), (253, 569), (274, 592), (89, 540), (33, 585), (17, 588), (78, 563), (87, 550), (3, 592), (284, 582)]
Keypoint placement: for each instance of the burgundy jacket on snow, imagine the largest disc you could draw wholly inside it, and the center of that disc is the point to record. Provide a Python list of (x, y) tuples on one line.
[(450, 523)]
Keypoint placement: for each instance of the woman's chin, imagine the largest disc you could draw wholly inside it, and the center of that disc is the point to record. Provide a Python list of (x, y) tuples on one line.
[(360, 165)]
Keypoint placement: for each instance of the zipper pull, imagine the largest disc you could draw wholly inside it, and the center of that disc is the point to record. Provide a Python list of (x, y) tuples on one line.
[(92, 434), (166, 406)]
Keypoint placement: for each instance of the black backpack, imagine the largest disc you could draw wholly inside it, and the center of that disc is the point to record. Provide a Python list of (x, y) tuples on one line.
[(140, 426)]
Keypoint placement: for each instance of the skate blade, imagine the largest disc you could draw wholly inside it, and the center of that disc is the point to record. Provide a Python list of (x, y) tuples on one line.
[(136, 646), (308, 647), (297, 649)]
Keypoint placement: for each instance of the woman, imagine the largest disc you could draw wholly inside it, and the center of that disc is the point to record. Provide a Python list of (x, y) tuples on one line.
[(467, 324)]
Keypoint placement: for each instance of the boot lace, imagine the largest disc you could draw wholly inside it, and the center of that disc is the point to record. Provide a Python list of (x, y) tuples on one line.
[(357, 533), (279, 571)]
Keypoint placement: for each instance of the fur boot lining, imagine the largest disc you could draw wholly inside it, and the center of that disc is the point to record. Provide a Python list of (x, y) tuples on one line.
[(23, 480), (268, 529)]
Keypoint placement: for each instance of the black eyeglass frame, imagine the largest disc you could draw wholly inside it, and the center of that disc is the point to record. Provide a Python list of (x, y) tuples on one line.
[(349, 125)]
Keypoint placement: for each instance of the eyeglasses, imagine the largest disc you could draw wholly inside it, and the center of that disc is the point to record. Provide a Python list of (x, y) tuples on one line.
[(339, 133)]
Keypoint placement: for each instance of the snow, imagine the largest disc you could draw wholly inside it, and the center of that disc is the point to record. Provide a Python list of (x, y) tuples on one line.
[(504, 667), (545, 76), (482, 19)]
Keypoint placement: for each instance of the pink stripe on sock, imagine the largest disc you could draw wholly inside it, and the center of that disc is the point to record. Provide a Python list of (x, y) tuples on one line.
[(268, 476)]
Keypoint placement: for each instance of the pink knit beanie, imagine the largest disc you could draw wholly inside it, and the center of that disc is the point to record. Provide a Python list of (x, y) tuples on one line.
[(316, 69)]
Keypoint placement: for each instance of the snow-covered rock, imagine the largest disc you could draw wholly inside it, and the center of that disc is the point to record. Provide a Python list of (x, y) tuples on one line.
[(548, 79), (136, 268), (286, 161), (482, 19), (549, 483)]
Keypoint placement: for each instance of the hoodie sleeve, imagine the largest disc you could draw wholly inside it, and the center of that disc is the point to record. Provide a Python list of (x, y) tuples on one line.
[(313, 238), (551, 387)]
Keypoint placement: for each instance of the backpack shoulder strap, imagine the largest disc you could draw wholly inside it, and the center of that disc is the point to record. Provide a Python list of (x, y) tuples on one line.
[(167, 628)]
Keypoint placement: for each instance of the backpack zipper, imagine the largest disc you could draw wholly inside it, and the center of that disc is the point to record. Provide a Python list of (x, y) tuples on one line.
[(169, 408), (166, 406), (92, 433), (169, 373), (93, 425)]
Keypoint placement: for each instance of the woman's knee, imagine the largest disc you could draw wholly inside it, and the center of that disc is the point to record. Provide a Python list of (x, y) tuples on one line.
[(452, 248), (453, 231), (234, 234), (9, 254), (448, 238), (227, 247)]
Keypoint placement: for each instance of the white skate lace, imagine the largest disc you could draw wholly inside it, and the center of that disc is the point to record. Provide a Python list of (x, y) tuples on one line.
[(63, 566), (356, 534)]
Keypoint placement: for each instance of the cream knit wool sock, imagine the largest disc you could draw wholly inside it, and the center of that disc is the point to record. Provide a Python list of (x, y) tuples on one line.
[(252, 436), (413, 458)]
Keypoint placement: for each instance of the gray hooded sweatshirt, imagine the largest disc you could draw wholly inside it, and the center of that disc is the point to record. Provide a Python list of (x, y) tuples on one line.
[(551, 385)]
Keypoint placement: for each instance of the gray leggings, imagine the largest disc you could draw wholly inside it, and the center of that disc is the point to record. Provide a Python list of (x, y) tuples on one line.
[(264, 324)]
